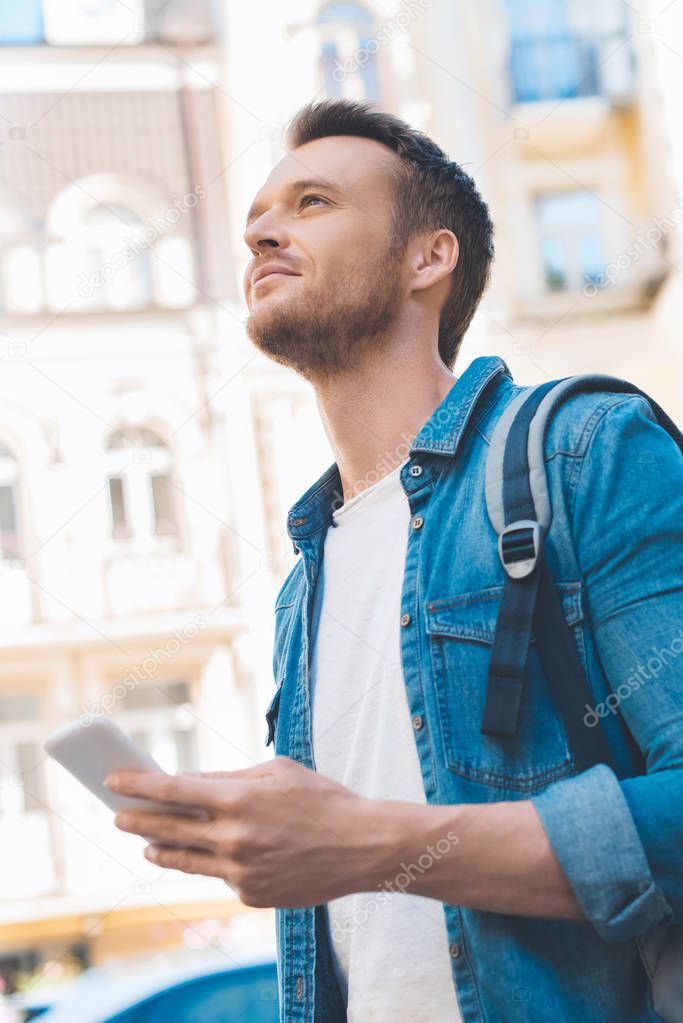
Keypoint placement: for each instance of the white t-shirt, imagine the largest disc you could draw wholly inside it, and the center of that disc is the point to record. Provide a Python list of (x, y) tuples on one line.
[(390, 946)]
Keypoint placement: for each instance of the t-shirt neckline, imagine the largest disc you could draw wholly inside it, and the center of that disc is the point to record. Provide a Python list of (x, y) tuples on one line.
[(372, 489)]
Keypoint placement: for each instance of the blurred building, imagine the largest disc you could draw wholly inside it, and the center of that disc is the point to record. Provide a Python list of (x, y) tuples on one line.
[(148, 454), (136, 576)]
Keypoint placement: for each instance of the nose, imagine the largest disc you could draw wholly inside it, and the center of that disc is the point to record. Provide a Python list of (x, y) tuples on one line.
[(264, 233)]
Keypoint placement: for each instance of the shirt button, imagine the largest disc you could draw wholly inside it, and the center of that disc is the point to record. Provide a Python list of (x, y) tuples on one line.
[(454, 949), (405, 619), (418, 522), (415, 470), (417, 722)]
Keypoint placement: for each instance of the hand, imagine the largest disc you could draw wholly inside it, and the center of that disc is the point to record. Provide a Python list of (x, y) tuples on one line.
[(279, 833)]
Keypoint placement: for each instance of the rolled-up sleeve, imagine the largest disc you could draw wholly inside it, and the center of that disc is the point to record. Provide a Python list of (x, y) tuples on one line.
[(620, 842)]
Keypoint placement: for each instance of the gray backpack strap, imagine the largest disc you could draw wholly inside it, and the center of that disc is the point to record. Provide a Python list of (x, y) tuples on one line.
[(518, 504), (495, 459), (537, 431)]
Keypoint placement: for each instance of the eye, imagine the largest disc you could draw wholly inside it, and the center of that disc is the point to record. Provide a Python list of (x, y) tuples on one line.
[(310, 196)]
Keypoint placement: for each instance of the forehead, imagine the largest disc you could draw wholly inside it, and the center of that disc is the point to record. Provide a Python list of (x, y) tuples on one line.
[(358, 169)]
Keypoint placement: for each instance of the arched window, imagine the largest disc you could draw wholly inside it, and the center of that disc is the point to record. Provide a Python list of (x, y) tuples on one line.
[(348, 53), (116, 258), (117, 243), (10, 540), (141, 502)]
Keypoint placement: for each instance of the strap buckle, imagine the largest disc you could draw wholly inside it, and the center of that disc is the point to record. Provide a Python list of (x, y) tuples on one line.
[(520, 547)]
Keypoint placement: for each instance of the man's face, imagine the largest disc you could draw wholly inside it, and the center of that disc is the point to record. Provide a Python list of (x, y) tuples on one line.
[(324, 217)]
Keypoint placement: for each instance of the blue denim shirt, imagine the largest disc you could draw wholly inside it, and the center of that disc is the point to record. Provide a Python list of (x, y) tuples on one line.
[(615, 548)]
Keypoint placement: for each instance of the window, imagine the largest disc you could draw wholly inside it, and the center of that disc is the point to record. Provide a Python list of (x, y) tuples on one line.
[(28, 757), (21, 23), (10, 541), (184, 745), (570, 239), (185, 22), (22, 788), (116, 259), (162, 501), (166, 694), (560, 49), (83, 22), (348, 52), (115, 243), (119, 516), (158, 718), (141, 499), (18, 707)]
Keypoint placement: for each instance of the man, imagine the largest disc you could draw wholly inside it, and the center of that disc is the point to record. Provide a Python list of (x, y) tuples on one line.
[(421, 870)]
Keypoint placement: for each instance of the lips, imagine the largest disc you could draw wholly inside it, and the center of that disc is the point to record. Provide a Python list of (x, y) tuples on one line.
[(271, 276), (269, 270)]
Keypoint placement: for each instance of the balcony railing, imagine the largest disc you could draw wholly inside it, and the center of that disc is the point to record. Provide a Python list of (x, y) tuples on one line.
[(567, 66)]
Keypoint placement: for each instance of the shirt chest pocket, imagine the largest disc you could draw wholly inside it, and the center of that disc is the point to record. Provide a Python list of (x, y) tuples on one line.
[(461, 631)]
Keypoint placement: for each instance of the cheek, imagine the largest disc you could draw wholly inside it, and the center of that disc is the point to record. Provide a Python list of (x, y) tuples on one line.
[(339, 249)]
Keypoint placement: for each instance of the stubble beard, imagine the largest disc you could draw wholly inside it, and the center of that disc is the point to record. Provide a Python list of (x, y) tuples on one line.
[(329, 329)]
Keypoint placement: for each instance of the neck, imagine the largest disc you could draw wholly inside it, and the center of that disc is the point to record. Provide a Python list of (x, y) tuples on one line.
[(372, 413)]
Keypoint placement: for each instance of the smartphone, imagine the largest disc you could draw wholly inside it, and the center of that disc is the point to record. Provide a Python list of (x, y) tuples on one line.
[(91, 751)]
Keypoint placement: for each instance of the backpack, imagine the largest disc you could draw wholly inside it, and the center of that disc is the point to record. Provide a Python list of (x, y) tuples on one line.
[(518, 505)]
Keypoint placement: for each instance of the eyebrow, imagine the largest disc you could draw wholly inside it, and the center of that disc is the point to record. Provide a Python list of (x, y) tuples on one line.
[(296, 186)]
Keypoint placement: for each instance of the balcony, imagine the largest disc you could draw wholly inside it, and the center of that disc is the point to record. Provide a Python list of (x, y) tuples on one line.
[(570, 66)]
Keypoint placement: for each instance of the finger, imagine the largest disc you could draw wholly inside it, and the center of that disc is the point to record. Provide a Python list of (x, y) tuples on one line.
[(187, 860), (165, 827), (173, 788)]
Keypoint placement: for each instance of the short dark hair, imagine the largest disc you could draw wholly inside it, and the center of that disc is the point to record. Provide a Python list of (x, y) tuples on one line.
[(430, 192)]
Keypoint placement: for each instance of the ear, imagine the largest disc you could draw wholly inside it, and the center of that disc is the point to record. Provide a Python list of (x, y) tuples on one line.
[(435, 258)]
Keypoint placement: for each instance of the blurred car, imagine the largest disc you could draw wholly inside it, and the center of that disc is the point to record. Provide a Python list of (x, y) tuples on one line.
[(211, 990), (29, 1005)]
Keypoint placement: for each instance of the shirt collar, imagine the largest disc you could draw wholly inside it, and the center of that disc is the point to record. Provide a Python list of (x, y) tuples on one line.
[(440, 435)]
